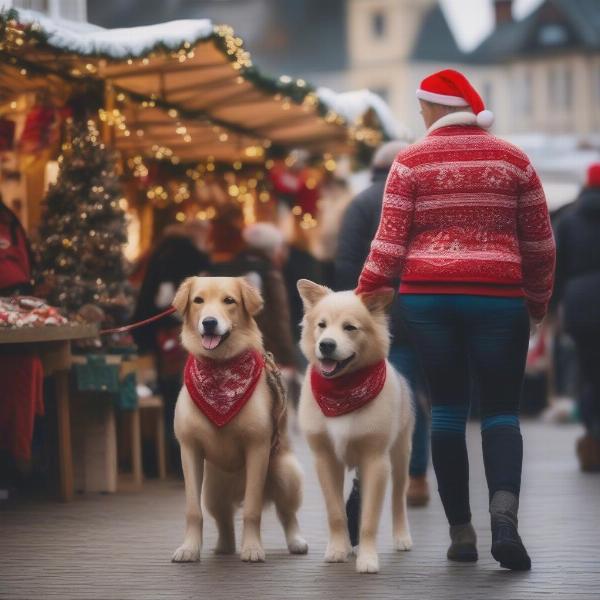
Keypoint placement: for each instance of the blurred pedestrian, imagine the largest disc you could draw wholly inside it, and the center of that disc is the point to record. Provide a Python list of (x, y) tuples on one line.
[(261, 264), (181, 253), (578, 289), (465, 227), (300, 263), (359, 226), (15, 254)]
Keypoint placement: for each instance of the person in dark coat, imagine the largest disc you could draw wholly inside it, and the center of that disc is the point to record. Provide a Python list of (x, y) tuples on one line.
[(180, 254), (578, 290), (359, 226), (260, 263)]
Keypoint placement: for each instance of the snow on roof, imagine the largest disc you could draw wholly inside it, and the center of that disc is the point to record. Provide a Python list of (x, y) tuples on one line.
[(118, 45), (355, 104), (88, 39)]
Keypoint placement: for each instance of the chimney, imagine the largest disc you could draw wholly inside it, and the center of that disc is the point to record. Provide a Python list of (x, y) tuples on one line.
[(503, 11)]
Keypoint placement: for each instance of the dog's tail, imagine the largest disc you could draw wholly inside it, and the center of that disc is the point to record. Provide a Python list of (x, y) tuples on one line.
[(279, 407)]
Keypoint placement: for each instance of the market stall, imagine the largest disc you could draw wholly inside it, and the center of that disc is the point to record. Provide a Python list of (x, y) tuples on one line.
[(181, 92), (109, 136)]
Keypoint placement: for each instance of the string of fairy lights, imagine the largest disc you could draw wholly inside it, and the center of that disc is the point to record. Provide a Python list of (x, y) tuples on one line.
[(122, 118)]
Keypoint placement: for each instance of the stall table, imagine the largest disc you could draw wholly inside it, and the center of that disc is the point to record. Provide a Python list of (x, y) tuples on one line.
[(53, 345)]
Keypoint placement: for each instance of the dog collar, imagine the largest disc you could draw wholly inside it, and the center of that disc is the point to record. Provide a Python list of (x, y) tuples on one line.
[(220, 389), (344, 394)]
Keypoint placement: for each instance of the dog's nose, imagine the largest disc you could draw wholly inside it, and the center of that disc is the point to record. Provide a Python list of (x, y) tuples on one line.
[(327, 347), (210, 325)]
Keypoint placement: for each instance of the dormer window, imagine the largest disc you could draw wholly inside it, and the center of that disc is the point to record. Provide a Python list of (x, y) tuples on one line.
[(378, 24), (553, 35)]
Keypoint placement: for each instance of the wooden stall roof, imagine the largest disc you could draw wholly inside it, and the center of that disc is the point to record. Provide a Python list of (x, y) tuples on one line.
[(185, 90)]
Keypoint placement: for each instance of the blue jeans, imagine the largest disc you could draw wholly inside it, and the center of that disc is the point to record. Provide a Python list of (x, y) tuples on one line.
[(471, 344), (404, 360)]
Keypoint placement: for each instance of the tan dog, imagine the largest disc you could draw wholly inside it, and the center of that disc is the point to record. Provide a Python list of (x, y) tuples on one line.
[(344, 334), (235, 462)]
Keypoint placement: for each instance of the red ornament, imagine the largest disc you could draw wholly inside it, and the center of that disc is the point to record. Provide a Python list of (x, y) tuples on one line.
[(41, 129)]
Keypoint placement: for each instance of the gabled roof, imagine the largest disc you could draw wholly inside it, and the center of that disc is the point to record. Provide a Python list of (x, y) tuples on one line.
[(584, 15), (435, 40), (511, 40)]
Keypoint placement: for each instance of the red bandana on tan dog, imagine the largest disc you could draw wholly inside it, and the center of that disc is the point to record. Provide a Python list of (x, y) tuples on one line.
[(338, 396), (220, 389)]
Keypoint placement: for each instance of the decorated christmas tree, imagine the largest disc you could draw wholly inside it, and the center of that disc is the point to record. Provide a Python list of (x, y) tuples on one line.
[(83, 229)]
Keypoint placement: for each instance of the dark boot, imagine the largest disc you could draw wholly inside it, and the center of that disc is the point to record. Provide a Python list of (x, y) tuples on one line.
[(507, 547), (463, 546), (353, 512)]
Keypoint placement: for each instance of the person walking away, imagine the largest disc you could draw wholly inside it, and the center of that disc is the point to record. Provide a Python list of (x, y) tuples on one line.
[(358, 228), (578, 290), (465, 227)]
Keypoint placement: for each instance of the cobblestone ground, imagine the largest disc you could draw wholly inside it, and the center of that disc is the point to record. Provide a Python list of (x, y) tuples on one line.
[(120, 546)]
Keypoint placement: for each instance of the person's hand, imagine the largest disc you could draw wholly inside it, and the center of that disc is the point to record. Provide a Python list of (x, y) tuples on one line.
[(534, 326)]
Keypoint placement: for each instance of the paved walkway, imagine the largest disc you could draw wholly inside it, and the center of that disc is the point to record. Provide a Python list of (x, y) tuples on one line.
[(120, 546)]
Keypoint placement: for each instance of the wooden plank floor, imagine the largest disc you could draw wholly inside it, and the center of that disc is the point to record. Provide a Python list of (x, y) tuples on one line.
[(120, 546)]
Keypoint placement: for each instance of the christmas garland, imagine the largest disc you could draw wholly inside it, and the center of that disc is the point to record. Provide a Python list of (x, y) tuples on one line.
[(231, 47)]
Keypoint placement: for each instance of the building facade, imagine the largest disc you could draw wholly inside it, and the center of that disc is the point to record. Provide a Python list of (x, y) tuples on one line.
[(540, 74)]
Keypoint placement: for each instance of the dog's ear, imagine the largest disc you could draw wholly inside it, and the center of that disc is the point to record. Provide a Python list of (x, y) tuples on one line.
[(251, 298), (182, 296), (311, 292), (378, 300)]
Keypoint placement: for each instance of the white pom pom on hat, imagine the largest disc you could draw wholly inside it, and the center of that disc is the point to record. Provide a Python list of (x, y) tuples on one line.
[(485, 118)]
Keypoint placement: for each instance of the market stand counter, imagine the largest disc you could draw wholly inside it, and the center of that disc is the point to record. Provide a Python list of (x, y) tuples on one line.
[(53, 345)]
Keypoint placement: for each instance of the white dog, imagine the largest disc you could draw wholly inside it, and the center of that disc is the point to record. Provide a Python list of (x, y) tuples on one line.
[(355, 411)]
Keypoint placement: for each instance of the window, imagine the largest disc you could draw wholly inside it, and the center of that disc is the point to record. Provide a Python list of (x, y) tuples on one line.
[(522, 93), (553, 35), (39, 5), (527, 98), (568, 88), (560, 88), (378, 24)]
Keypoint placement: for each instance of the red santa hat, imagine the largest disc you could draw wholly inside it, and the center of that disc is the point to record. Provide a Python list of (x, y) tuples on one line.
[(593, 175), (451, 88)]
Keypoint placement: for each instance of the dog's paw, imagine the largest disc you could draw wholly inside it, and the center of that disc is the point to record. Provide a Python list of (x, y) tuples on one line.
[(253, 553), (186, 553), (336, 554), (297, 545), (367, 562), (403, 543)]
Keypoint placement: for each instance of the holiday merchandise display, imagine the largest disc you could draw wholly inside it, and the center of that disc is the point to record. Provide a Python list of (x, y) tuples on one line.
[(27, 311)]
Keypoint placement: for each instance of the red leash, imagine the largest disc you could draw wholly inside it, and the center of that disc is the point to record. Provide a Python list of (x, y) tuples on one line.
[(126, 328)]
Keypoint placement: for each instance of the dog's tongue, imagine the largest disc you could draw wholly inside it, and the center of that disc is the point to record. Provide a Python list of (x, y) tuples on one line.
[(328, 366), (209, 342)]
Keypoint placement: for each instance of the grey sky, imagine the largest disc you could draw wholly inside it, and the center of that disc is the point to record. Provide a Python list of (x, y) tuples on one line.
[(471, 20)]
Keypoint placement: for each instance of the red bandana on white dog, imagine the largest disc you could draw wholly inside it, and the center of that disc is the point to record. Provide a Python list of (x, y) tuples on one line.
[(338, 396), (220, 389)]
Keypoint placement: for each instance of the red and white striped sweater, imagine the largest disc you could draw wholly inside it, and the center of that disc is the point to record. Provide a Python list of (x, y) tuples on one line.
[(464, 213)]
